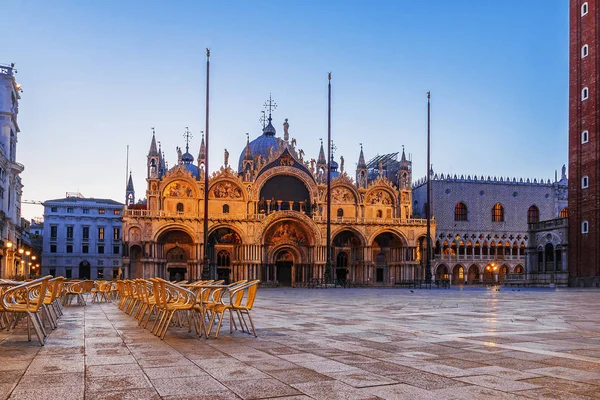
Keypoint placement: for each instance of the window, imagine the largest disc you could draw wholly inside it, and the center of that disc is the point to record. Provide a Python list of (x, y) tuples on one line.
[(585, 93), (69, 248), (116, 249), (69, 232), (85, 249), (585, 50), (379, 214), (585, 182), (116, 233), (69, 210), (117, 212), (101, 233), (86, 232), (340, 212), (100, 262), (52, 248), (564, 213), (225, 208), (53, 209), (533, 215), (52, 271), (53, 231), (69, 273), (585, 227), (100, 273), (101, 211), (460, 212), (179, 207), (585, 137), (86, 210), (100, 249), (498, 213), (584, 9)]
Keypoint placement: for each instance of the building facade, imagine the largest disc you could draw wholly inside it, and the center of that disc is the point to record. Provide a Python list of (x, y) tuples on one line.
[(82, 238), (11, 264), (584, 143), (482, 227), (267, 217)]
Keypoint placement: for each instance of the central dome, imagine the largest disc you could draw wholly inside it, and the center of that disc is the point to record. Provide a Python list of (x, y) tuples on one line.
[(260, 145)]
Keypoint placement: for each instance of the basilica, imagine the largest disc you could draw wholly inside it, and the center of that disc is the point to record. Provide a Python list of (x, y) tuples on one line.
[(267, 217)]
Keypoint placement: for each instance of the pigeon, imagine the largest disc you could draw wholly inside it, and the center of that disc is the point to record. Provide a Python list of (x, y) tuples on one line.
[(412, 291)]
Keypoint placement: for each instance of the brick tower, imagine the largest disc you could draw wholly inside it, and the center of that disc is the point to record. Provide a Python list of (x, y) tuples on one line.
[(584, 143)]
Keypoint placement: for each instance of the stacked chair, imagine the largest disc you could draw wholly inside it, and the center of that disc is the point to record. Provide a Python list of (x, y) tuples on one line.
[(199, 306), (32, 301)]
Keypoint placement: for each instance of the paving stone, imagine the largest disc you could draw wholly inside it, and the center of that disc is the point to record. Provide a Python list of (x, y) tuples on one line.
[(260, 388), (494, 382)]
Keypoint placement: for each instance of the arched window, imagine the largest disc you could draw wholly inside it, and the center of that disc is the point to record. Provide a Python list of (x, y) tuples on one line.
[(340, 213), (379, 213), (460, 212), (585, 136), (585, 227), (585, 50), (533, 215), (225, 208), (564, 213), (223, 259), (585, 182), (498, 213), (179, 207), (585, 93), (584, 9), (518, 269)]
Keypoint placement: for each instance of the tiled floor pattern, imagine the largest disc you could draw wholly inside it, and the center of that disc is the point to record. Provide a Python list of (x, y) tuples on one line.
[(327, 344)]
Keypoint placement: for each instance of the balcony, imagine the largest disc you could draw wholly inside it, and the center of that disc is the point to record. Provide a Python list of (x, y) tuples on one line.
[(261, 216)]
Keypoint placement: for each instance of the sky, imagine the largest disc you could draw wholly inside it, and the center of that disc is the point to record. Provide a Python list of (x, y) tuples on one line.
[(97, 75)]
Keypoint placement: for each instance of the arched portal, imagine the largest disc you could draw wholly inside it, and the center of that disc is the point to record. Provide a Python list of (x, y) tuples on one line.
[(284, 263), (347, 253), (473, 276), (458, 274), (222, 245), (387, 255), (287, 247), (441, 273), (178, 249), (135, 265)]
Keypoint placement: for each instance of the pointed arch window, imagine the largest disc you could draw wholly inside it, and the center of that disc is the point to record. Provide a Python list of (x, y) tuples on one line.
[(564, 213), (225, 208), (223, 259), (533, 215), (179, 207), (498, 213), (340, 212), (460, 212)]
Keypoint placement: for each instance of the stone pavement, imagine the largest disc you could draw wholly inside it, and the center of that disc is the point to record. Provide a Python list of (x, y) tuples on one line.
[(328, 344)]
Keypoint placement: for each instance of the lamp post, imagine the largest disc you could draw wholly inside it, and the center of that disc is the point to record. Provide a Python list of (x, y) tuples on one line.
[(21, 251), (7, 263), (27, 264), (33, 258)]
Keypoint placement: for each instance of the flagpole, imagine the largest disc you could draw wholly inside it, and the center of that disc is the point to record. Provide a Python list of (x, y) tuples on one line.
[(328, 271), (207, 272), (428, 259)]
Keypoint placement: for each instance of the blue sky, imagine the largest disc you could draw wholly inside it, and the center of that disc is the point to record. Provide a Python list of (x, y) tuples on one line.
[(97, 75)]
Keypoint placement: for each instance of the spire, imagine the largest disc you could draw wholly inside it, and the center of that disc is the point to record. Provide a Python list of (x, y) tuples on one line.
[(321, 159), (361, 159), (153, 151), (404, 163), (130, 183), (161, 160), (202, 154), (248, 151)]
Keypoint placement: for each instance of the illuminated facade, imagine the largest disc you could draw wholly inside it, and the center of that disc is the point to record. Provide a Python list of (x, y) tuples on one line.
[(267, 217), (12, 264)]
